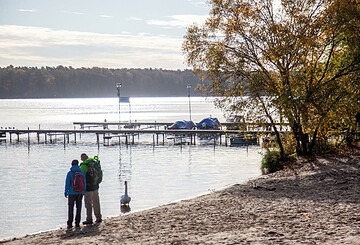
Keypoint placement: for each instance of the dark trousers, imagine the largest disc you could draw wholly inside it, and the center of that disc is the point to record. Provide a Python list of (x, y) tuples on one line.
[(77, 200)]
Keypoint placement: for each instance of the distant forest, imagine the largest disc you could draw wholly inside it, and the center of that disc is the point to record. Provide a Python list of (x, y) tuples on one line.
[(68, 82)]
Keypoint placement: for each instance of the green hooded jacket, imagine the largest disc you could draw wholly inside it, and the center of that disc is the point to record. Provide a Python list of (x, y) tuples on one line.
[(84, 168)]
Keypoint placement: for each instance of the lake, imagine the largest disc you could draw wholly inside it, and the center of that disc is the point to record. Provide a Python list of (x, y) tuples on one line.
[(32, 177)]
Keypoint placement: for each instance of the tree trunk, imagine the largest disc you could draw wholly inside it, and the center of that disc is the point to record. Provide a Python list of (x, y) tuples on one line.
[(304, 143), (278, 140), (313, 140), (302, 140)]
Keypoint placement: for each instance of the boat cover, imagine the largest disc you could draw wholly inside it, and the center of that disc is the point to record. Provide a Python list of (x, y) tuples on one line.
[(209, 123), (183, 124)]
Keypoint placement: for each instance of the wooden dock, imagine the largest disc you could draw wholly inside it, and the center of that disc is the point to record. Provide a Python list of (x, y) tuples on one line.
[(126, 134), (155, 124)]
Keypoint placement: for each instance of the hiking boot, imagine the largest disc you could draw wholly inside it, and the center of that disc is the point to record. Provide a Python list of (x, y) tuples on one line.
[(69, 226), (77, 226), (98, 220), (87, 222)]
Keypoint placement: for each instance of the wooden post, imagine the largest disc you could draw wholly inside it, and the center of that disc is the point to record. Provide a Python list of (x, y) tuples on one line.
[(106, 140), (28, 136)]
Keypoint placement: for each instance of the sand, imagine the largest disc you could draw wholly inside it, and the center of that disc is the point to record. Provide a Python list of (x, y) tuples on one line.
[(311, 202)]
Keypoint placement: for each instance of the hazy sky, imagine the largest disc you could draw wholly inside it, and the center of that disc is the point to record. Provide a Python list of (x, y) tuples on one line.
[(88, 33)]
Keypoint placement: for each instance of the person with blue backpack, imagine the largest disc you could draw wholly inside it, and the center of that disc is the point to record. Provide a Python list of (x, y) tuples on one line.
[(75, 187), (92, 169)]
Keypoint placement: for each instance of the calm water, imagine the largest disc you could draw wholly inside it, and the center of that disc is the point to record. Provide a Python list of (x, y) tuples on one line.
[(32, 178)]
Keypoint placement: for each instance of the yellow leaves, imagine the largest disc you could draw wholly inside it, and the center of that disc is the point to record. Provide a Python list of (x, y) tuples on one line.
[(297, 55), (218, 2), (242, 9)]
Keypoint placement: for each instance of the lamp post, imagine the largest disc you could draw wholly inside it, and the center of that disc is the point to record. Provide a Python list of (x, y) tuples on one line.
[(189, 88), (118, 86)]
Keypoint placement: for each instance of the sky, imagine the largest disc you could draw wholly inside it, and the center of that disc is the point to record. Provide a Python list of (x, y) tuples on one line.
[(94, 33)]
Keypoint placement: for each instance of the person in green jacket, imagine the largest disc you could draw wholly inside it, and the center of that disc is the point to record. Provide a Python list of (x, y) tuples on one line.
[(92, 200)]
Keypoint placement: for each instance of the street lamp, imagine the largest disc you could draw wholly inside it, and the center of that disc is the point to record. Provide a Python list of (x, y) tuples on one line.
[(189, 88), (118, 86)]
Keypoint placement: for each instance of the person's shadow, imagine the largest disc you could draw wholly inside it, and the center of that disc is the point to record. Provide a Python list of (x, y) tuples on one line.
[(75, 233)]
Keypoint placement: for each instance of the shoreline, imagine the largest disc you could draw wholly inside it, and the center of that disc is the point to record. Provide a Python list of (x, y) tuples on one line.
[(126, 212), (310, 202)]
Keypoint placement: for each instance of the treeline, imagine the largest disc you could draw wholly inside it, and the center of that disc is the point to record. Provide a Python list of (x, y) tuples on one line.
[(68, 82)]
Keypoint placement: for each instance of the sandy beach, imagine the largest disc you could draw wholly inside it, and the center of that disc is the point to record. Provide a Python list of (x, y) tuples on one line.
[(310, 202)]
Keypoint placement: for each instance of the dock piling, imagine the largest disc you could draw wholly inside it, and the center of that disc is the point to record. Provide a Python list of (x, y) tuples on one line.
[(28, 135)]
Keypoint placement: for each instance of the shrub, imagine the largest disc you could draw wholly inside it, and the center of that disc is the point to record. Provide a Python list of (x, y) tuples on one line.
[(271, 162), (289, 143)]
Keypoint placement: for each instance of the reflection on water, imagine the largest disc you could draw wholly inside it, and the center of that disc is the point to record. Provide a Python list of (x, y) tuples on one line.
[(125, 164), (33, 176), (125, 209), (32, 183)]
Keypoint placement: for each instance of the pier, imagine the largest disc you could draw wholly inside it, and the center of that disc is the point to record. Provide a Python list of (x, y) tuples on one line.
[(109, 133)]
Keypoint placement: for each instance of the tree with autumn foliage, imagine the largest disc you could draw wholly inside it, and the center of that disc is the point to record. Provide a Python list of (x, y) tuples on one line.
[(297, 60)]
